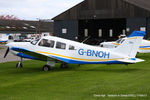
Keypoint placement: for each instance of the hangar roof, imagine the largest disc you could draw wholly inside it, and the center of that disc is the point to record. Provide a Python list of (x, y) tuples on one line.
[(140, 3), (95, 9), (24, 26)]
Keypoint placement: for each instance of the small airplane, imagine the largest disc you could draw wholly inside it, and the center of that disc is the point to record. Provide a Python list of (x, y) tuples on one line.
[(57, 50), (4, 38), (143, 48)]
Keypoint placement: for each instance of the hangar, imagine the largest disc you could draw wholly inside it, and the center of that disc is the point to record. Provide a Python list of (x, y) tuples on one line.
[(102, 20), (25, 26), (22, 28)]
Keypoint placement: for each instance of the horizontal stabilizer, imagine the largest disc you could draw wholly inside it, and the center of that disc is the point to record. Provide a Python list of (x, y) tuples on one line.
[(131, 60)]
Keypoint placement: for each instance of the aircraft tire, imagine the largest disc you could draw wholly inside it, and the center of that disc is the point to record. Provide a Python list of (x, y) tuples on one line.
[(46, 68)]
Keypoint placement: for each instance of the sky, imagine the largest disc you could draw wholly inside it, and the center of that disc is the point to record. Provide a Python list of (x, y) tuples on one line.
[(35, 9)]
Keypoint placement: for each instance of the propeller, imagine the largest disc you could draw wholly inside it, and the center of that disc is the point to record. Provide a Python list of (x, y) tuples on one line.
[(6, 52)]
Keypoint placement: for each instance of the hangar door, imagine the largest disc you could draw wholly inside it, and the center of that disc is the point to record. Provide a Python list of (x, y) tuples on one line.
[(101, 30)]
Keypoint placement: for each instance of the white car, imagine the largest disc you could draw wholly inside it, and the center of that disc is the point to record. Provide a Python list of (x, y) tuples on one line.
[(29, 39)]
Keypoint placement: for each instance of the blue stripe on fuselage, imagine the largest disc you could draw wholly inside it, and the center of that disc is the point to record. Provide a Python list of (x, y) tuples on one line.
[(144, 47), (70, 61)]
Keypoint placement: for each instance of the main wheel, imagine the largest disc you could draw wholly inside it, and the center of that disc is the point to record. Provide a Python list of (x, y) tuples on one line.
[(19, 65), (63, 66), (46, 68)]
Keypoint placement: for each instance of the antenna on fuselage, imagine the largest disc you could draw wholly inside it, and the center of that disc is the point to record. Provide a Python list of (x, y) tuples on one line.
[(86, 39)]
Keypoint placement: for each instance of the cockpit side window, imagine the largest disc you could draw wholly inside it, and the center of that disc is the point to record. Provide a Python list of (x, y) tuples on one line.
[(35, 41), (60, 45), (71, 47), (46, 43)]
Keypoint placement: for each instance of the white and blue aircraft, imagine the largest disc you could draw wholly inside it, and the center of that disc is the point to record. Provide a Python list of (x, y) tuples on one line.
[(4, 38), (143, 48), (57, 50)]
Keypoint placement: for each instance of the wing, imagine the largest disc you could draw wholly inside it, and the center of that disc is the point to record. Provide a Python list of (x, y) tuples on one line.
[(34, 55)]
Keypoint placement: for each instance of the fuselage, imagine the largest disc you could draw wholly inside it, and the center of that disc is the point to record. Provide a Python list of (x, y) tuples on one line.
[(67, 51)]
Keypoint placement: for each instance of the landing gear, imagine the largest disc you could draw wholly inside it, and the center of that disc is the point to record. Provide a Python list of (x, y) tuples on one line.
[(46, 68), (19, 64), (64, 65)]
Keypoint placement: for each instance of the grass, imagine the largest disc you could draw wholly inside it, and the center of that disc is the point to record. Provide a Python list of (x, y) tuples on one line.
[(76, 82)]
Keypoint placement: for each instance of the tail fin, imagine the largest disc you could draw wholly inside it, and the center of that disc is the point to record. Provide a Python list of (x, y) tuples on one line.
[(130, 46)]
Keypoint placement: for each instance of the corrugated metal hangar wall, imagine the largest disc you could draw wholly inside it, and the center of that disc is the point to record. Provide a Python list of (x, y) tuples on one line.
[(103, 20)]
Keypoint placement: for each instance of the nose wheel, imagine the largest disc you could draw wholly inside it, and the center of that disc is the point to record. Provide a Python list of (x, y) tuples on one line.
[(19, 64)]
